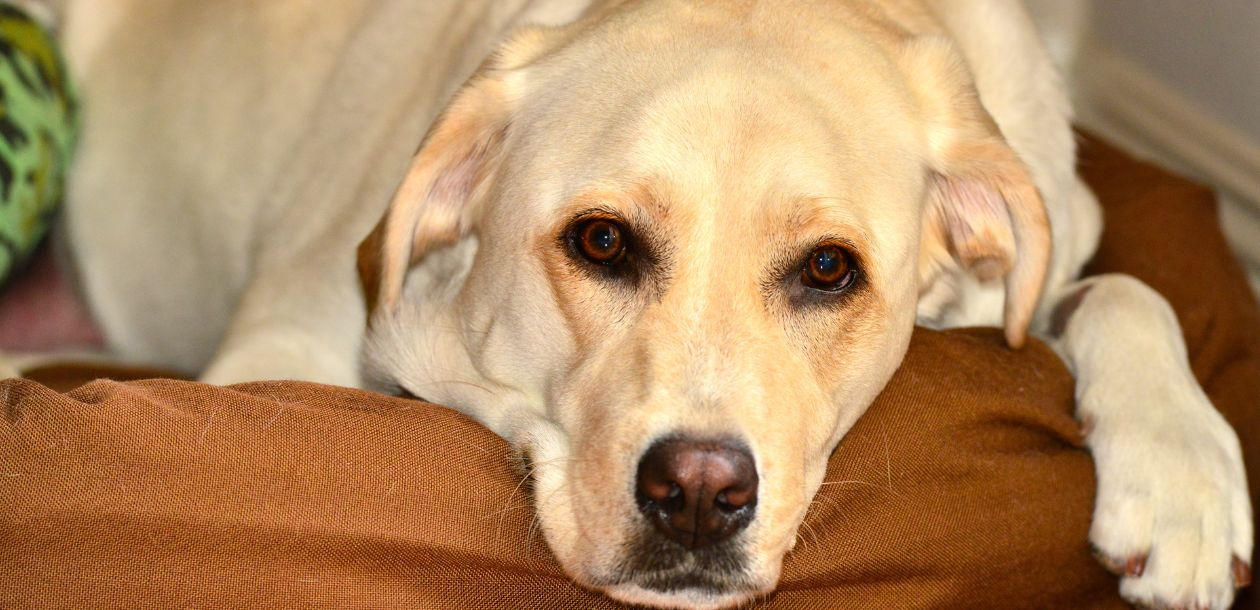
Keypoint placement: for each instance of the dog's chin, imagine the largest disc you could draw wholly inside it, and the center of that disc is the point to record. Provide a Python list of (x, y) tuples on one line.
[(688, 586), (701, 598)]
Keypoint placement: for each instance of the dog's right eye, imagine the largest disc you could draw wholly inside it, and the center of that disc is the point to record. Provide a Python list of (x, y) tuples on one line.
[(601, 241)]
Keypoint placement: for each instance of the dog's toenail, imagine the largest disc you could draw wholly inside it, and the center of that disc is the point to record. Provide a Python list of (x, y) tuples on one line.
[(1135, 567), (1108, 562), (1242, 573)]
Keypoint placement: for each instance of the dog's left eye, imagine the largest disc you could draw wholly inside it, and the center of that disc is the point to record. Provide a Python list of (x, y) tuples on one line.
[(829, 268), (601, 241)]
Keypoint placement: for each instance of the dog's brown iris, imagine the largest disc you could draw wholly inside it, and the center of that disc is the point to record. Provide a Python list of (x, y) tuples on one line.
[(829, 268), (601, 241)]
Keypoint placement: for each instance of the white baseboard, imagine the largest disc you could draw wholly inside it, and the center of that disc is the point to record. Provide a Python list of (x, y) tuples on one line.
[(1119, 95), (1126, 103)]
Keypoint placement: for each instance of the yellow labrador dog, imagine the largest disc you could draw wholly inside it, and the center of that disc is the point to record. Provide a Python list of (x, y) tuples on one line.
[(671, 249)]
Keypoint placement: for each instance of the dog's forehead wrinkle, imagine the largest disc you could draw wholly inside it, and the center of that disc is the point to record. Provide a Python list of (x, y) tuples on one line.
[(729, 121), (688, 99)]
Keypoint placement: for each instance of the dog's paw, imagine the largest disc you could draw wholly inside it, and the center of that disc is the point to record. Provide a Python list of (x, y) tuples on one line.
[(1172, 516)]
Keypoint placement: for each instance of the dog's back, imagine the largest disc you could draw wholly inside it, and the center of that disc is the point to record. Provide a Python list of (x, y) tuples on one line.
[(231, 139)]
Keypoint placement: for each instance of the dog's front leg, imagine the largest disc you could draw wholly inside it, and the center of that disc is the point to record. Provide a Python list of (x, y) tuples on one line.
[(299, 323), (1172, 515)]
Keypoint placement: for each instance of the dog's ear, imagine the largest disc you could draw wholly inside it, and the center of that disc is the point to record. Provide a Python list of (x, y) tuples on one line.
[(438, 200), (440, 197), (983, 208)]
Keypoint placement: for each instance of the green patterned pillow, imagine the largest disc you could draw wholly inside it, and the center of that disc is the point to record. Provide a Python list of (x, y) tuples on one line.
[(38, 125)]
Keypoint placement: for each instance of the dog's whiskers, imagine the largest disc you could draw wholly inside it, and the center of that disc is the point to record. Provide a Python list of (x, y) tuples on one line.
[(535, 523), (529, 474), (529, 470), (812, 533), (823, 500), (884, 488)]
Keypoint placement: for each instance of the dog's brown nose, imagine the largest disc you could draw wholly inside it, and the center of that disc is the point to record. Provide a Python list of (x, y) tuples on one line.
[(697, 493)]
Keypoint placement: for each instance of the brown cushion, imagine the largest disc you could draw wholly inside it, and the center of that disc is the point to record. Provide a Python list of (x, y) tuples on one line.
[(965, 485)]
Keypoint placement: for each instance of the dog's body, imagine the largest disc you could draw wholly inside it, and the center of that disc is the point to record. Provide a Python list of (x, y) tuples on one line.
[(247, 161), (226, 180)]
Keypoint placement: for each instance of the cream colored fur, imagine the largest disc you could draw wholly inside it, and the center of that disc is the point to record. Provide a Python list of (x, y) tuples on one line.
[(236, 152)]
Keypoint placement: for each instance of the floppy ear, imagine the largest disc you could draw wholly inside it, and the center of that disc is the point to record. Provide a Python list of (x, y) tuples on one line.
[(983, 206), (438, 200)]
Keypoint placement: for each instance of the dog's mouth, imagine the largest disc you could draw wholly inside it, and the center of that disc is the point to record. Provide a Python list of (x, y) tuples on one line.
[(662, 565), (656, 571)]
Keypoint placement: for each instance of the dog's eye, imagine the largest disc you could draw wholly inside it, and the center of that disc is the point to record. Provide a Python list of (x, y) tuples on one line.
[(829, 268), (600, 241)]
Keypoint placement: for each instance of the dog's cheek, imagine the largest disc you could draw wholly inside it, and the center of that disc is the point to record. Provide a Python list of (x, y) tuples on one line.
[(847, 351), (516, 335), (558, 518), (602, 440)]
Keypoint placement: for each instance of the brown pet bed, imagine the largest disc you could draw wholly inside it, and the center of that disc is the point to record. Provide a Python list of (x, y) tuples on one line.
[(964, 486)]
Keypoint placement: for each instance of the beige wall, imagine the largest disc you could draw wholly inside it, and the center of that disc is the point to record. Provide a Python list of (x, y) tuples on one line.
[(1207, 49), (1180, 81)]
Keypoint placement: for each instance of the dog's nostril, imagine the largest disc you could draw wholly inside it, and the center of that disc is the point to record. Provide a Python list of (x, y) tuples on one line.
[(697, 493), (735, 499), (658, 489)]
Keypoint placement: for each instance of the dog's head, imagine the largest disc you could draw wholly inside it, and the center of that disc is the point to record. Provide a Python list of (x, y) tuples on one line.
[(672, 252)]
